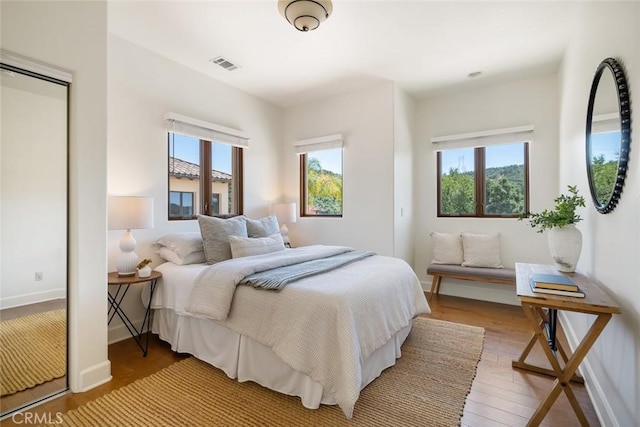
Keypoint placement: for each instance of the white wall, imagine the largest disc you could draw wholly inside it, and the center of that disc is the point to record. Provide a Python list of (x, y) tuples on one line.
[(527, 102), (365, 119), (143, 87), (403, 130), (73, 36), (34, 190), (611, 243)]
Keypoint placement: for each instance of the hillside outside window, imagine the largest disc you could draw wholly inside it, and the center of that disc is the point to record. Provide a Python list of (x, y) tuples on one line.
[(488, 181)]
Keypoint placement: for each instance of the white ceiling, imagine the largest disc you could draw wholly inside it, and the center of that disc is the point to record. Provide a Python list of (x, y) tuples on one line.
[(426, 47)]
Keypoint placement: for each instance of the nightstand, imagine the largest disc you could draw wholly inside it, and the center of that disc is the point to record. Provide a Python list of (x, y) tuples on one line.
[(123, 284)]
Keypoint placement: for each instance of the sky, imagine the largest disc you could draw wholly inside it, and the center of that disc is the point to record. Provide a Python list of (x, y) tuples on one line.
[(330, 160), (495, 156), (188, 148), (607, 144), (602, 143)]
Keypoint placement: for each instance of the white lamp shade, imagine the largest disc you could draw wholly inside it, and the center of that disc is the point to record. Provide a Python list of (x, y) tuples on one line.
[(285, 212), (130, 212)]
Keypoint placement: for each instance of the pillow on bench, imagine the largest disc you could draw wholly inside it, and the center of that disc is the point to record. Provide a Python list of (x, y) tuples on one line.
[(447, 248), (466, 249), (481, 250)]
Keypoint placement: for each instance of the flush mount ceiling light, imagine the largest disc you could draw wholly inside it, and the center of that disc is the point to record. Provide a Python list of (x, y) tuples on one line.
[(305, 15)]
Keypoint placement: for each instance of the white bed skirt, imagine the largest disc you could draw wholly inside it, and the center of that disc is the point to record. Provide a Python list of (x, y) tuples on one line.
[(244, 359)]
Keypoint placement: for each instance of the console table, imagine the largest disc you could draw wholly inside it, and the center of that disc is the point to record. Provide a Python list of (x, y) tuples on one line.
[(541, 310)]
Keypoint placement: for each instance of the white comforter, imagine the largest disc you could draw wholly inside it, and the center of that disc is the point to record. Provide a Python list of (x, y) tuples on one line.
[(323, 326)]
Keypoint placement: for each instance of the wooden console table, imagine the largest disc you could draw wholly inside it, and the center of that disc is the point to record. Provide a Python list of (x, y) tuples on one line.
[(595, 302)]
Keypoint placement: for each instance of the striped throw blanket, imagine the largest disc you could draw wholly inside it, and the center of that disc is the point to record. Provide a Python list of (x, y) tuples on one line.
[(278, 278)]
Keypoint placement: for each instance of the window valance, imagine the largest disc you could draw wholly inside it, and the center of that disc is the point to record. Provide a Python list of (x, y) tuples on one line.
[(603, 123), (204, 130), (317, 144), (485, 138)]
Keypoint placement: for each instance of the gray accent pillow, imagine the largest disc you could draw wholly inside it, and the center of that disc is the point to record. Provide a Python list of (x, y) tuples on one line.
[(215, 236), (263, 227), (249, 246)]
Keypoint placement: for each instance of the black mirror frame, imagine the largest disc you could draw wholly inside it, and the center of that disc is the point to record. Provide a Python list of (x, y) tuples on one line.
[(624, 105)]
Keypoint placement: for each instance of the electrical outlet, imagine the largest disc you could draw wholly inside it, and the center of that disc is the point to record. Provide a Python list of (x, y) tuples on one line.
[(39, 276)]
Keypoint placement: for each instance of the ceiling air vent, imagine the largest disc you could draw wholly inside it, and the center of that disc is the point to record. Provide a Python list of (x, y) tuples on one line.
[(225, 63)]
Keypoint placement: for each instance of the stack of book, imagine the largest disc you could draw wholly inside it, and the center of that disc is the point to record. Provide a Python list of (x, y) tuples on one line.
[(555, 284)]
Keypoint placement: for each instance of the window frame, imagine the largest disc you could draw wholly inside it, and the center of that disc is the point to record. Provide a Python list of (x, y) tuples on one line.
[(304, 190), (479, 176), (205, 184)]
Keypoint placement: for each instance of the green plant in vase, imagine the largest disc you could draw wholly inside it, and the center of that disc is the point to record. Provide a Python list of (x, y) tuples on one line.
[(565, 240)]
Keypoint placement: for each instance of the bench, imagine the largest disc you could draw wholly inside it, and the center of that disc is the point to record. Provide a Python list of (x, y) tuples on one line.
[(504, 276)]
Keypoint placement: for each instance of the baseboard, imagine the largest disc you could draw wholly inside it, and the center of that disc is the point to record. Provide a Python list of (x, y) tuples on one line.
[(93, 377), (119, 332), (502, 294), (603, 409), (35, 297)]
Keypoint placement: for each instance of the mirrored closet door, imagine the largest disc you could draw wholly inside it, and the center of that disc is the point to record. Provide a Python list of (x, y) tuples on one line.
[(33, 231)]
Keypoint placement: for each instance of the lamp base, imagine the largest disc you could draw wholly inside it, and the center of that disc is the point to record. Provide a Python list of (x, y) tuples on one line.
[(126, 274), (126, 263), (284, 231), (127, 260)]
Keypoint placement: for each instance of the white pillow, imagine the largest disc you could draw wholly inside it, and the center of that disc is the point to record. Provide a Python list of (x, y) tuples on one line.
[(191, 258), (263, 227), (447, 248), (182, 244), (248, 246), (481, 250)]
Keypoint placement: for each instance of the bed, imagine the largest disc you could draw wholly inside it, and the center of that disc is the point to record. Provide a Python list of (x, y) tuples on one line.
[(322, 338)]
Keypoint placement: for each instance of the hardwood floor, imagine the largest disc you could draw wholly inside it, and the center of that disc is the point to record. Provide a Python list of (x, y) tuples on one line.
[(500, 395)]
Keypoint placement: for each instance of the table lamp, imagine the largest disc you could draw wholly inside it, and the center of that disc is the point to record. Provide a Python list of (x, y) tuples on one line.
[(286, 214), (127, 213)]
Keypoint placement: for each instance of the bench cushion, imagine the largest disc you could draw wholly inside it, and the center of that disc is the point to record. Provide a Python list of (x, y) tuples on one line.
[(497, 273)]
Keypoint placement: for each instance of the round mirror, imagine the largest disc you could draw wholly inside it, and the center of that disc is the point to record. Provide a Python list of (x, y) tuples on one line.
[(608, 134)]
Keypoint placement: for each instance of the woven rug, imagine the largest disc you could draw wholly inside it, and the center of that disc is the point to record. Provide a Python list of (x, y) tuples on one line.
[(427, 387), (32, 350)]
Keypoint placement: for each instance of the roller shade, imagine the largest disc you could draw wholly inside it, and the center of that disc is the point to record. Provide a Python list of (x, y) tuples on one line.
[(484, 138), (317, 144), (204, 130)]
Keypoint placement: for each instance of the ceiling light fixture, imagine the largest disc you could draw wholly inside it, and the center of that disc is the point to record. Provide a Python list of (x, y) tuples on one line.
[(305, 15)]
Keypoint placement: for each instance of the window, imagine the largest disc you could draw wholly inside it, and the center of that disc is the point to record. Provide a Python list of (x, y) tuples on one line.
[(198, 166), (180, 204), (489, 181), (321, 183)]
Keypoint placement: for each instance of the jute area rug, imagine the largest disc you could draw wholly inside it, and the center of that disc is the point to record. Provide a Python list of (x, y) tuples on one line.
[(427, 387), (32, 350)]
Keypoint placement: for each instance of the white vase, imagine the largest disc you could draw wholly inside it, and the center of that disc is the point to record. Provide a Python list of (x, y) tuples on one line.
[(565, 244), (144, 271)]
